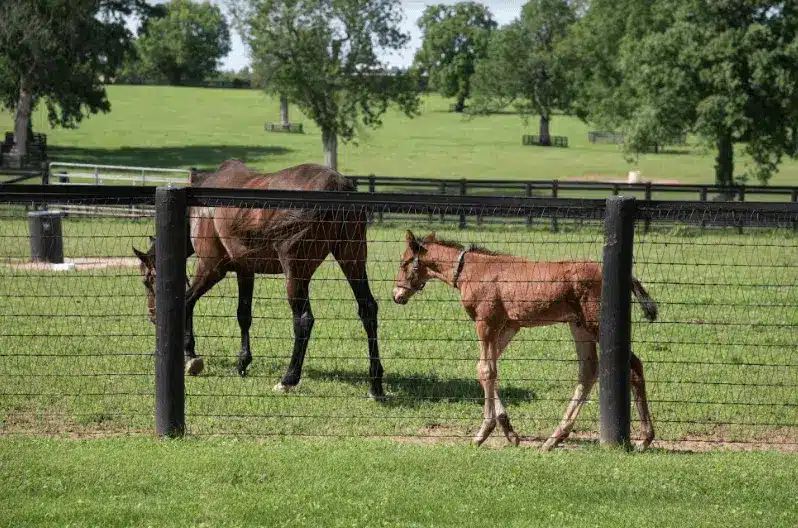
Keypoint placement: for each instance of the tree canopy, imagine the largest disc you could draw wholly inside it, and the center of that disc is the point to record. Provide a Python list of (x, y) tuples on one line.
[(725, 71), (186, 44), (524, 66), (323, 56), (59, 52), (454, 37)]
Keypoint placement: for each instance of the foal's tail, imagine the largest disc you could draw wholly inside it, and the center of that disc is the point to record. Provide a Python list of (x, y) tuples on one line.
[(648, 304)]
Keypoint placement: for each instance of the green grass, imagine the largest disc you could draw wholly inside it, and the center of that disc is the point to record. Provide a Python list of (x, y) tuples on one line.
[(141, 482), (76, 346), (184, 127)]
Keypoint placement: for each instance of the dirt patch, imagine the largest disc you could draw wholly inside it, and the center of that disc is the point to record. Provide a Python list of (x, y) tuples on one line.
[(79, 263)]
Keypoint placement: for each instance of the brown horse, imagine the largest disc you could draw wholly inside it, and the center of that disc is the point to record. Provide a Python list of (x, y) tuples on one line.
[(273, 241), (504, 293)]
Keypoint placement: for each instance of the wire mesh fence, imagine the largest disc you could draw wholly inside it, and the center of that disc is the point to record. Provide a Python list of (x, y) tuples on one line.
[(76, 345)]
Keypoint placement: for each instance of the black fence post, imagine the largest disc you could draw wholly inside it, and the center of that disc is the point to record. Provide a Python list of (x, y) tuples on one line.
[(529, 195), (742, 199), (647, 223), (463, 191), (443, 210), (616, 322), (794, 199), (555, 186), (373, 188), (170, 301)]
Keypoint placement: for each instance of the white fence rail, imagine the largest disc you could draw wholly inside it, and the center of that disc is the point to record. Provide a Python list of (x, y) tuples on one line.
[(88, 174)]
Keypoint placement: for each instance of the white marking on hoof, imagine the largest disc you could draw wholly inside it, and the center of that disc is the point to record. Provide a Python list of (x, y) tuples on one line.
[(194, 366), (283, 389)]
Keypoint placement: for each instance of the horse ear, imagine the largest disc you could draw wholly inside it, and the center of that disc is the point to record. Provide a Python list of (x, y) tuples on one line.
[(142, 256), (413, 243), (429, 238)]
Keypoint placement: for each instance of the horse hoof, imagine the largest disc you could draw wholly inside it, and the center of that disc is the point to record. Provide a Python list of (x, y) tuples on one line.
[(513, 438), (241, 372), (549, 445), (194, 366), (376, 396), (284, 389)]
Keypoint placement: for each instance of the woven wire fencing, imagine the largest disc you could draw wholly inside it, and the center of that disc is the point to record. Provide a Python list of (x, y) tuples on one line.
[(76, 348), (720, 361), (76, 345)]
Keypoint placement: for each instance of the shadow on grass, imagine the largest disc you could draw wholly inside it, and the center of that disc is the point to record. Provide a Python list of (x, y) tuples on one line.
[(415, 391), (203, 157)]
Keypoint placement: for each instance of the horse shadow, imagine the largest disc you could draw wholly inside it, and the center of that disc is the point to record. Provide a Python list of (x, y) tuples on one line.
[(413, 391)]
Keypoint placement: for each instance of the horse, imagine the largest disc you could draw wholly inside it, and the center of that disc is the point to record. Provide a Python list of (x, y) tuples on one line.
[(292, 242), (503, 293)]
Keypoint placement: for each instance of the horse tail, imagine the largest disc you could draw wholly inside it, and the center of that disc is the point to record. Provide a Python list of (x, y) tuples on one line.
[(650, 309)]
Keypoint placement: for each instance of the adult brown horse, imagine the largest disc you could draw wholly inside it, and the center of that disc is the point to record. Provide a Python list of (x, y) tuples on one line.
[(504, 293), (273, 241)]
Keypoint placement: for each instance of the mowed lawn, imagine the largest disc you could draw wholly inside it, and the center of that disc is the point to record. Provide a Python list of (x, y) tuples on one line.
[(158, 126), (77, 347), (354, 483)]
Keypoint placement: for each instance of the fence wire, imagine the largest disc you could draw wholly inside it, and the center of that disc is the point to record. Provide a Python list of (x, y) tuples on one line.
[(76, 346)]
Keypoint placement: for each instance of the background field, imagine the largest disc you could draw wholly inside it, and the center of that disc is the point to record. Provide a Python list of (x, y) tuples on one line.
[(182, 127)]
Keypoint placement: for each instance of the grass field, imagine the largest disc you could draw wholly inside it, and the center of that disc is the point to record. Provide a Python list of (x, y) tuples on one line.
[(182, 127), (76, 346), (144, 482)]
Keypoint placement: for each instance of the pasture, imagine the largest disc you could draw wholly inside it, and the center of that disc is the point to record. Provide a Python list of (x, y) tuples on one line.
[(160, 126), (76, 354)]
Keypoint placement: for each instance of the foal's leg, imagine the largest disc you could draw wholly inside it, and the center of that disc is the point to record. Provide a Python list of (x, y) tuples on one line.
[(246, 286), (298, 298), (501, 414), (638, 383), (487, 372), (588, 372), (353, 263)]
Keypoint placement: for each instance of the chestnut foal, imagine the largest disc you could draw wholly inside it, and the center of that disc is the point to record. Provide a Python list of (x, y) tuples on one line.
[(504, 293)]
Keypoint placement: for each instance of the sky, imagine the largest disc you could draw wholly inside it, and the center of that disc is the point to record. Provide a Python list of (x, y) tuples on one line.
[(503, 11)]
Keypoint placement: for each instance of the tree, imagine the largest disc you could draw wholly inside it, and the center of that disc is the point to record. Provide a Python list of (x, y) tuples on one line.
[(524, 65), (323, 56), (726, 71), (186, 44), (455, 37), (59, 52)]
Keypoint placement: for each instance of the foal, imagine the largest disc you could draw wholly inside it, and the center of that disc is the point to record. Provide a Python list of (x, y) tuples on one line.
[(504, 293)]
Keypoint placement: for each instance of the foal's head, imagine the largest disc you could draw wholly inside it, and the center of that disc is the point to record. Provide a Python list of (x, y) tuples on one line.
[(147, 270), (413, 273)]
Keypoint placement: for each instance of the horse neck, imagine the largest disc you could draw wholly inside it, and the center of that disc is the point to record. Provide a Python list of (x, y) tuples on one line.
[(441, 262)]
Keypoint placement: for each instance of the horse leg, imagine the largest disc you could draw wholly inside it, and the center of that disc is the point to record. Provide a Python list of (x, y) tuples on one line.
[(206, 276), (638, 382), (487, 372), (298, 298), (246, 286), (355, 272), (588, 372), (501, 414)]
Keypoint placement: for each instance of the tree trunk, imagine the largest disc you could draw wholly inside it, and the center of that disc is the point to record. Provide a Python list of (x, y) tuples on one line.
[(724, 162), (22, 121), (545, 137), (330, 142), (459, 106), (284, 111)]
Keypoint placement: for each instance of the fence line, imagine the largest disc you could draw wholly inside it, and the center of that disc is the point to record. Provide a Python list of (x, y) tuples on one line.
[(77, 346)]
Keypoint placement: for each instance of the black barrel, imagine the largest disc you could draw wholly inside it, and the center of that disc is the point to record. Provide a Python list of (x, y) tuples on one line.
[(46, 239)]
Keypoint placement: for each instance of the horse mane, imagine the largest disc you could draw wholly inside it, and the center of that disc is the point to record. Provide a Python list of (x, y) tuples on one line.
[(473, 248)]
